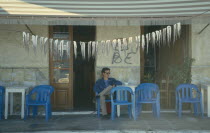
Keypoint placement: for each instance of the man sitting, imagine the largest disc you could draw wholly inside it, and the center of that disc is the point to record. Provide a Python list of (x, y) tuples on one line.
[(103, 87)]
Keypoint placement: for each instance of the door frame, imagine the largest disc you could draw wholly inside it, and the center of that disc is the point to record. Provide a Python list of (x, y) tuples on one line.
[(60, 87)]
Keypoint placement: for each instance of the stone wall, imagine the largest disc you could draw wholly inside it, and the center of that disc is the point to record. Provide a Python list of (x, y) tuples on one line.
[(127, 67), (200, 52), (19, 66)]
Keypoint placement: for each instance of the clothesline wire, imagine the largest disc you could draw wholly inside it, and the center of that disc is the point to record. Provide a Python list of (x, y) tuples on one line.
[(81, 41), (198, 15), (12, 30)]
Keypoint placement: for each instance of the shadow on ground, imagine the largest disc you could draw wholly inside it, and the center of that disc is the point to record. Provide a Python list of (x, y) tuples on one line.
[(146, 122)]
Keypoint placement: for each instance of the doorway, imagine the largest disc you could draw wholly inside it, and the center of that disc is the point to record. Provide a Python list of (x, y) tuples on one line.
[(60, 68), (84, 70), (157, 60)]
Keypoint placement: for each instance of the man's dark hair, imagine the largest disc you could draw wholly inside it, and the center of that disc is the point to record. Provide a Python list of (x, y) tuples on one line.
[(105, 69)]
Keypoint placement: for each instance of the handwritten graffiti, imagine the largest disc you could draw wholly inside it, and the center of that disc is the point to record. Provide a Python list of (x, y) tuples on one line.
[(117, 58)]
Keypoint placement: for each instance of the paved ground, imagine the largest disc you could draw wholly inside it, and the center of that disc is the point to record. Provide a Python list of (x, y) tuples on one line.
[(168, 122)]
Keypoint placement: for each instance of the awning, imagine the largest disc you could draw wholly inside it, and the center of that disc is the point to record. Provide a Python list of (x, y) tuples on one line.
[(103, 12)]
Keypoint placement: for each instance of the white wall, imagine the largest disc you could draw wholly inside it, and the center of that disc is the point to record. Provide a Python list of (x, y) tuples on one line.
[(12, 49), (121, 71), (17, 65)]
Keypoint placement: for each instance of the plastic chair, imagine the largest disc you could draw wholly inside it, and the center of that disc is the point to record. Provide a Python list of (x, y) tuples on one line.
[(188, 93), (124, 96), (99, 104), (2, 92), (148, 93), (42, 95)]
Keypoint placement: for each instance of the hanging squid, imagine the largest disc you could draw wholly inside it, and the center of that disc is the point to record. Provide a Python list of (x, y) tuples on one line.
[(93, 49), (82, 44), (114, 43), (68, 49), (75, 49), (108, 43), (89, 50), (34, 42), (153, 39), (45, 45), (119, 45), (61, 48), (168, 35), (142, 42)]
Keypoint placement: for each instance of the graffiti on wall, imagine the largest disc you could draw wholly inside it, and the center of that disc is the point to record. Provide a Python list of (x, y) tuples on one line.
[(128, 52)]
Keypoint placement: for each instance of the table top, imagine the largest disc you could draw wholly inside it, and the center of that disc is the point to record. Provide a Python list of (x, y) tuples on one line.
[(16, 88), (132, 86), (205, 86)]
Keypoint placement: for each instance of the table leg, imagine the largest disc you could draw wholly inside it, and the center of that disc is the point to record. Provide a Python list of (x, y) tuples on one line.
[(11, 103), (202, 92), (118, 110), (133, 108), (6, 105), (118, 106), (208, 102), (22, 105)]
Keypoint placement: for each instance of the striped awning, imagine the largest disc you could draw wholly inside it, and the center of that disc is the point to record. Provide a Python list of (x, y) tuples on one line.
[(103, 12)]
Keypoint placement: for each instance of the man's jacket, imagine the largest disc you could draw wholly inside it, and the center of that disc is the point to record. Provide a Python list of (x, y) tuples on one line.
[(100, 84)]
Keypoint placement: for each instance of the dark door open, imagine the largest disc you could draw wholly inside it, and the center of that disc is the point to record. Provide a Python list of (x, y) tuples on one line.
[(84, 70), (156, 62)]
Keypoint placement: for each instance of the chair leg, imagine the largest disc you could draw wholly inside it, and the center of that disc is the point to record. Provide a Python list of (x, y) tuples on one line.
[(46, 112), (50, 111), (129, 111), (180, 109), (177, 104), (195, 105), (113, 112), (27, 110), (201, 109), (1, 111), (138, 110), (158, 109), (154, 109)]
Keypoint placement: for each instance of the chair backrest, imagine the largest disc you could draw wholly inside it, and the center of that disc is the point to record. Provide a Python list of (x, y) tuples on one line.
[(2, 90), (186, 91), (147, 91), (42, 92), (123, 93)]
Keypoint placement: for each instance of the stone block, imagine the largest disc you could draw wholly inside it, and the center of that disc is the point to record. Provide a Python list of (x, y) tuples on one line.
[(18, 75), (29, 83), (42, 74), (30, 75), (6, 75)]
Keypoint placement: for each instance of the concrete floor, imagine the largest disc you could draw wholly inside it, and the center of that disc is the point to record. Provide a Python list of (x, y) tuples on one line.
[(146, 123)]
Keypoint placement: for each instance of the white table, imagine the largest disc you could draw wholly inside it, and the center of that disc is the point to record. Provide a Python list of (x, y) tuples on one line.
[(132, 86), (9, 92), (206, 88)]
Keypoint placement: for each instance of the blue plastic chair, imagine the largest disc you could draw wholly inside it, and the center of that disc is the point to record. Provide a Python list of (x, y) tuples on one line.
[(2, 92), (148, 93), (184, 94), (41, 96), (99, 104), (124, 96)]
